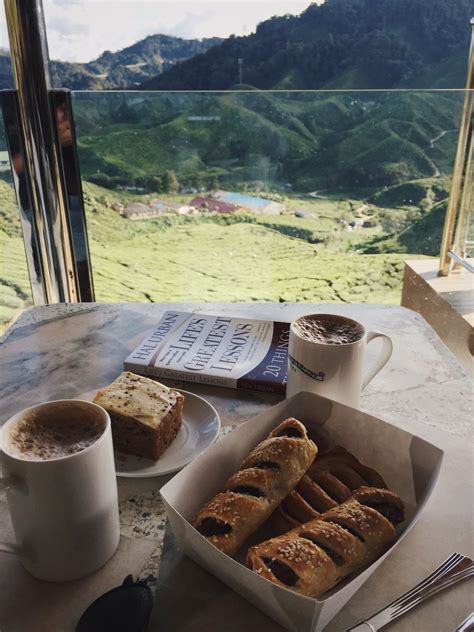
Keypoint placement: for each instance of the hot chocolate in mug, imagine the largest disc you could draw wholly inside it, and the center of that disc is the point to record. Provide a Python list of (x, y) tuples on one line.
[(64, 506), (326, 356)]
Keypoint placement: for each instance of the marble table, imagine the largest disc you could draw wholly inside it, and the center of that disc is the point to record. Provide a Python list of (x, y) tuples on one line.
[(62, 351)]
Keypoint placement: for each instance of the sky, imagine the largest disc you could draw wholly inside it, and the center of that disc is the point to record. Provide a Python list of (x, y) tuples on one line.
[(80, 30)]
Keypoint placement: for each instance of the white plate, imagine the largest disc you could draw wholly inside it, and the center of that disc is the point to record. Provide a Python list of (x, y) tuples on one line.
[(201, 427)]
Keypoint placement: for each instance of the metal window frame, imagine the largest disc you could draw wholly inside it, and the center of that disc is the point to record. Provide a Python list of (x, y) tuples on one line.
[(41, 141), (458, 215)]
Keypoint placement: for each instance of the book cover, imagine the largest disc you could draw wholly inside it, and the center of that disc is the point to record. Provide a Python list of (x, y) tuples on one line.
[(219, 350)]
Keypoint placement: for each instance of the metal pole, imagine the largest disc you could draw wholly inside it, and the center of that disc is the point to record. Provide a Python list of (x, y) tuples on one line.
[(461, 261), (460, 165), (466, 210), (40, 164)]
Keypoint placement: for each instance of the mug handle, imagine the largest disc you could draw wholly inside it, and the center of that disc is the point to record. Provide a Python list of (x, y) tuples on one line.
[(6, 483), (384, 357)]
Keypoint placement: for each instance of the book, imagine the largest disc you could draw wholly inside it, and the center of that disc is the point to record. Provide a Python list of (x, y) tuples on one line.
[(219, 350)]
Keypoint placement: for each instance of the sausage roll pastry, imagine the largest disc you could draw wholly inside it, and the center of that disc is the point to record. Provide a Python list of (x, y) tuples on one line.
[(330, 480), (315, 556), (265, 477)]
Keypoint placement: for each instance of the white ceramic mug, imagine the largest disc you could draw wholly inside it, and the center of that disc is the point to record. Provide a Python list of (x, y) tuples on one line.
[(64, 510), (333, 370)]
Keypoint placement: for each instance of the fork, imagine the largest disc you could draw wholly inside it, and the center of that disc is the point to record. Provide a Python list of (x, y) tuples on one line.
[(450, 572)]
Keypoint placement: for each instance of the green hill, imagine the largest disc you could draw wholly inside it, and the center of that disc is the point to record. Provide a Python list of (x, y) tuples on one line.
[(423, 236), (412, 216), (338, 44), (423, 194), (309, 141), (15, 293), (9, 216), (217, 258), (447, 73)]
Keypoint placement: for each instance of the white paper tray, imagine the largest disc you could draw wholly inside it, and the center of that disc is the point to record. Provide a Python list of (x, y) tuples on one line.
[(409, 465)]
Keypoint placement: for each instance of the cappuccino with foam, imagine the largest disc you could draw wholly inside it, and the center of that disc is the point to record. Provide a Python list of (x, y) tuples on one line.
[(59, 431), (326, 356), (328, 329)]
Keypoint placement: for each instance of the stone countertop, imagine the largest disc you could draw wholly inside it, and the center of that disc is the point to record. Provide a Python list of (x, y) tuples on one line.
[(62, 351)]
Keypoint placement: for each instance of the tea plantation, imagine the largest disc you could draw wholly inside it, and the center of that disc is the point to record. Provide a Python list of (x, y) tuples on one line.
[(239, 257)]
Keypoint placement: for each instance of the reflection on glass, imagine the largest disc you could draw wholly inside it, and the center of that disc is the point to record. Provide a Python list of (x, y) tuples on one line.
[(463, 243), (281, 196), (15, 289)]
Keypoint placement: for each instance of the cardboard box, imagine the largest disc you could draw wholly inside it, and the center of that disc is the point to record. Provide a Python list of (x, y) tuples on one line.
[(409, 465)]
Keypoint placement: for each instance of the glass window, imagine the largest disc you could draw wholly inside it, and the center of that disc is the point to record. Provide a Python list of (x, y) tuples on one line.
[(279, 196), (285, 193)]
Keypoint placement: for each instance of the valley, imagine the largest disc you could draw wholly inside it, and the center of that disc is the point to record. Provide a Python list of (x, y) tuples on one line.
[(235, 257)]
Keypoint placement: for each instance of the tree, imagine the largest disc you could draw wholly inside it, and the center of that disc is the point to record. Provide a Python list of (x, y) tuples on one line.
[(197, 180), (214, 183), (170, 182), (155, 183), (102, 179)]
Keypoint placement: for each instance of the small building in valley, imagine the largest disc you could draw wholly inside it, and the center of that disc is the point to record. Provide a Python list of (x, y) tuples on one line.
[(206, 119), (258, 205), (210, 204), (139, 210), (136, 210), (303, 214), (118, 207), (178, 208), (158, 206)]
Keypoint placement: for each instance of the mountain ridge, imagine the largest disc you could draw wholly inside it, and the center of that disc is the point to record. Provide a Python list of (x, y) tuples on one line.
[(340, 44), (122, 69), (381, 43)]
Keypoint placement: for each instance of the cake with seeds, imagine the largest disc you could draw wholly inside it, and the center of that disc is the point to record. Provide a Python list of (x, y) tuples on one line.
[(146, 416)]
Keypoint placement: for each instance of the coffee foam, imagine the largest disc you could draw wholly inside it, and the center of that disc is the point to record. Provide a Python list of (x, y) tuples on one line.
[(333, 330), (57, 431)]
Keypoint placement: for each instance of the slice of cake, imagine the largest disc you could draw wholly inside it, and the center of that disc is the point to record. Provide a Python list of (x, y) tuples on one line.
[(146, 415)]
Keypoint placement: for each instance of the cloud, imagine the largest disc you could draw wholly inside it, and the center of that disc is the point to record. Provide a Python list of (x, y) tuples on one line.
[(194, 24), (65, 3), (80, 30), (68, 29)]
